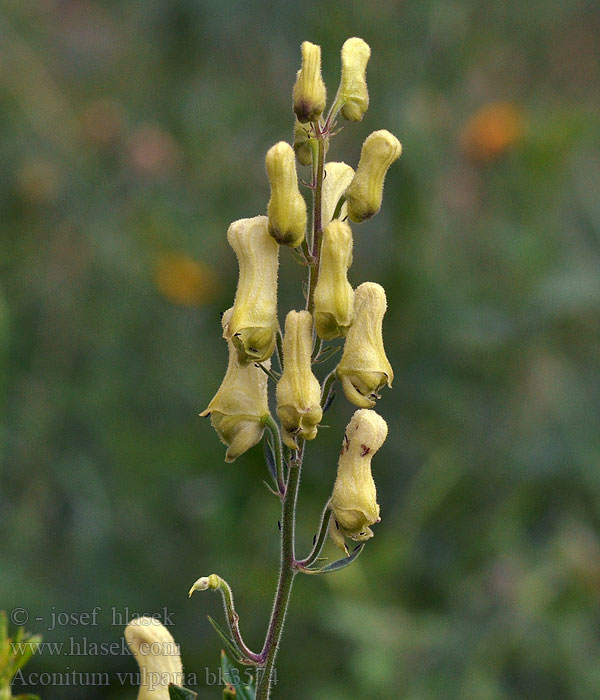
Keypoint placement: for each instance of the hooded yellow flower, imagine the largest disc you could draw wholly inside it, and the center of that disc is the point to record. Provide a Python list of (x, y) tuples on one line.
[(286, 208), (309, 91), (239, 407), (354, 499), (253, 323), (365, 192), (334, 297), (298, 390), (364, 368), (157, 655), (353, 86)]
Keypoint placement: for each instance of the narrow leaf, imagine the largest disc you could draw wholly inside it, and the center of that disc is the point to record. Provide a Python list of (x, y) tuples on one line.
[(326, 354), (341, 563), (270, 458), (329, 401), (177, 692), (235, 677), (226, 639)]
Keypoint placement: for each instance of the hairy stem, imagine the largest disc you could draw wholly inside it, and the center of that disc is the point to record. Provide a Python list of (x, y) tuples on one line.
[(288, 563), (233, 620), (317, 237), (286, 578), (275, 434)]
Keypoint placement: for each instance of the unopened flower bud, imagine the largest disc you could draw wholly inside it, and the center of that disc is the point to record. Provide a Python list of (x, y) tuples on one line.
[(354, 499), (337, 178), (239, 407), (364, 368), (298, 390), (353, 86), (302, 143), (365, 192), (253, 322), (309, 92), (157, 655), (204, 583), (286, 208), (334, 297)]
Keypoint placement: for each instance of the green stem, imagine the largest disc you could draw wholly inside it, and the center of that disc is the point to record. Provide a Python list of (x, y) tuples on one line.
[(313, 270), (327, 384), (274, 430), (233, 620), (288, 564), (287, 573), (279, 346)]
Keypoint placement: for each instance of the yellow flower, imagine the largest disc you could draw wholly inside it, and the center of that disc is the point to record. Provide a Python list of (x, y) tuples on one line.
[(364, 368), (286, 208), (353, 86), (157, 655), (365, 192), (334, 297), (239, 407), (309, 92), (354, 499), (337, 178), (298, 390), (253, 324)]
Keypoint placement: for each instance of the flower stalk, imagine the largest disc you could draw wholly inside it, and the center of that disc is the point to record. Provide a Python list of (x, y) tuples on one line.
[(239, 412)]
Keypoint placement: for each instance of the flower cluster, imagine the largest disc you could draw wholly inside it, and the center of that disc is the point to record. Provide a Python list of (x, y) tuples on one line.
[(342, 196)]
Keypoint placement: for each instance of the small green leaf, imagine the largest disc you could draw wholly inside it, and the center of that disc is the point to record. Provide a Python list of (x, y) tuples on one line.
[(270, 458), (340, 563), (177, 692), (329, 401), (236, 677), (326, 354), (232, 647)]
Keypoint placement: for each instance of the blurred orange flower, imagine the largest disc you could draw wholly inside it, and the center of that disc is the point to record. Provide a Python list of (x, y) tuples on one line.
[(491, 130), (184, 281), (152, 151)]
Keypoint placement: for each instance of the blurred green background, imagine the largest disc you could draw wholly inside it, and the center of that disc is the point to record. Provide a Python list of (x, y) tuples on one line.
[(131, 135)]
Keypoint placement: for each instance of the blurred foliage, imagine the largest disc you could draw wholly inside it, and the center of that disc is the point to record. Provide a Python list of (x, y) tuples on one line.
[(131, 134)]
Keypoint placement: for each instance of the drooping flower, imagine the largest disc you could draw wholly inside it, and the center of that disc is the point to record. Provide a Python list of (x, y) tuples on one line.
[(157, 655), (286, 208), (354, 499), (365, 192), (309, 91), (298, 390), (353, 86), (364, 368), (253, 324), (240, 406), (334, 297)]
